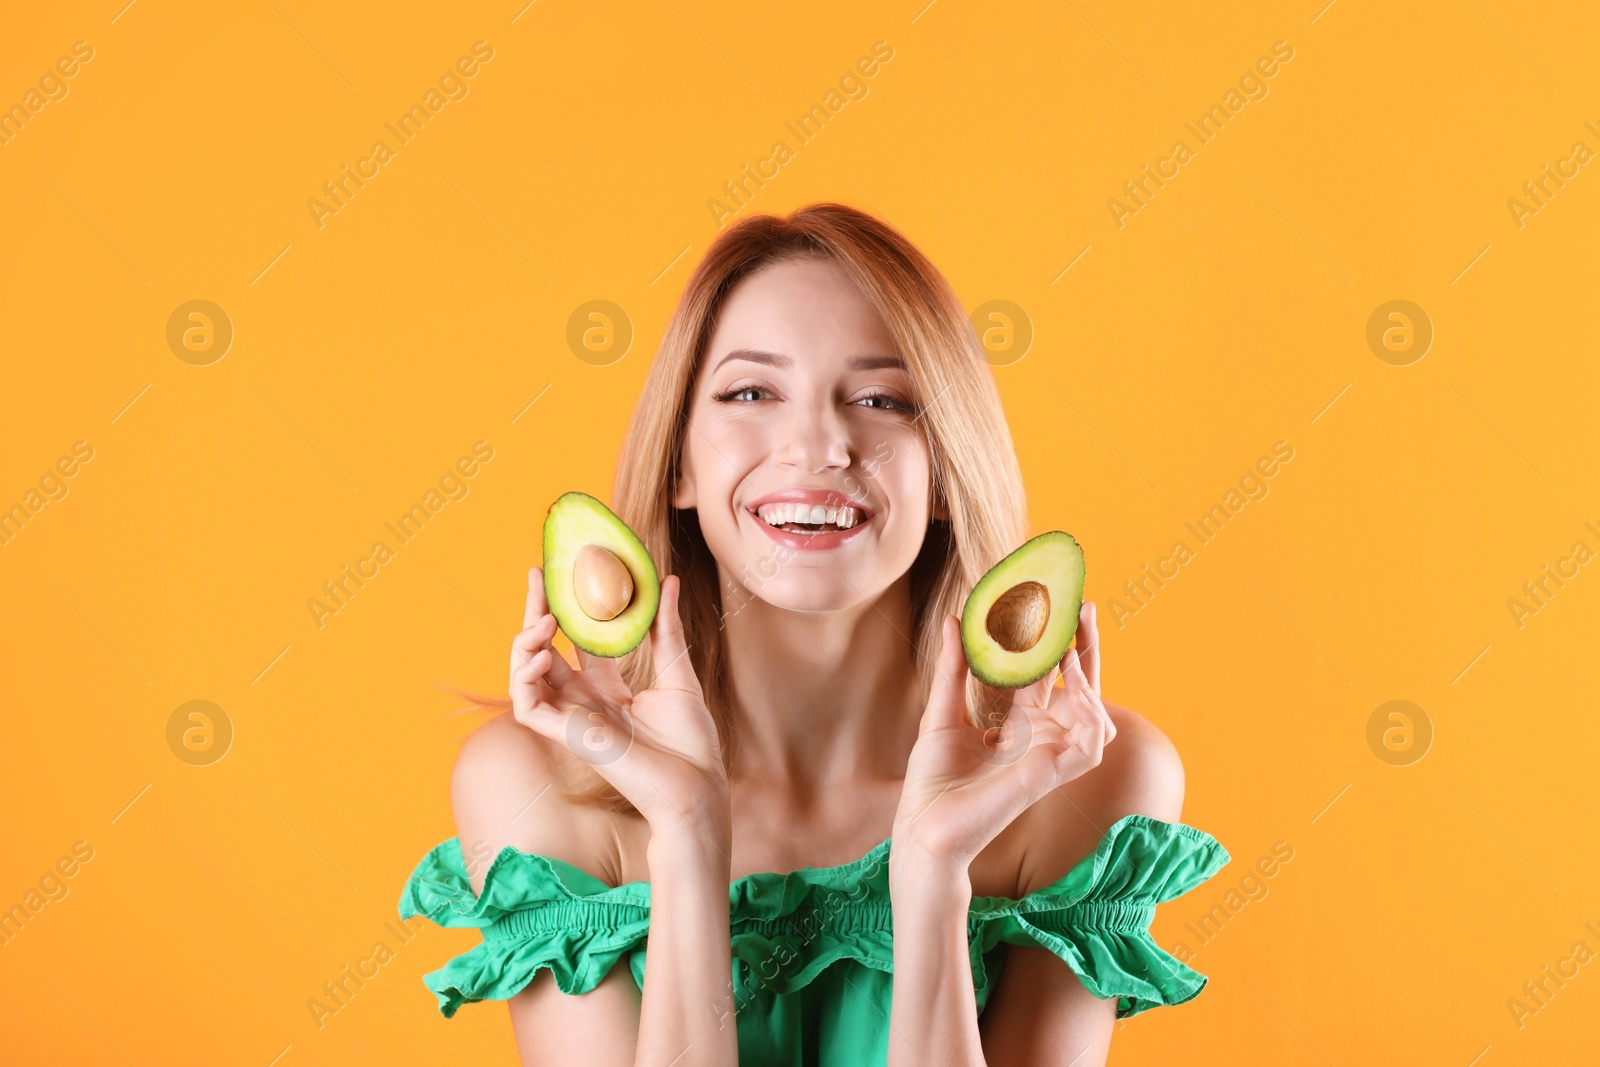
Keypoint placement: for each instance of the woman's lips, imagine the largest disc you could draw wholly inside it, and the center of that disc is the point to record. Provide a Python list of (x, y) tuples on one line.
[(812, 542)]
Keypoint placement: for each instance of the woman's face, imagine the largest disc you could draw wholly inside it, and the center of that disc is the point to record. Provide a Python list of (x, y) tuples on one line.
[(803, 457)]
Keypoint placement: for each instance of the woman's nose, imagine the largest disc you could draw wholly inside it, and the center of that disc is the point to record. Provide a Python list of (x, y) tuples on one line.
[(817, 438)]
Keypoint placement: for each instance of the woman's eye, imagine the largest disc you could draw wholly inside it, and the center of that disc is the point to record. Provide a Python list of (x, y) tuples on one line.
[(885, 402), (749, 392)]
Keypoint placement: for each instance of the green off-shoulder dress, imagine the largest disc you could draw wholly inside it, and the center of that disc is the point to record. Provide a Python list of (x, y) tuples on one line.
[(813, 950)]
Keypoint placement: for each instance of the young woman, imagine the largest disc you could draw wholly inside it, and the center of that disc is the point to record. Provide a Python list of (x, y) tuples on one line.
[(790, 787)]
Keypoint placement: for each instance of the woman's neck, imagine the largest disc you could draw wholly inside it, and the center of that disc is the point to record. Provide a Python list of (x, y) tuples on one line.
[(823, 700)]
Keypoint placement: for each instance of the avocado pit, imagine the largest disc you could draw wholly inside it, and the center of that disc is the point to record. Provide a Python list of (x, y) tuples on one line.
[(601, 583), (1018, 618)]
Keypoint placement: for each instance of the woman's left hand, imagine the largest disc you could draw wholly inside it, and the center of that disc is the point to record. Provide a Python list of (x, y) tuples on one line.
[(964, 785)]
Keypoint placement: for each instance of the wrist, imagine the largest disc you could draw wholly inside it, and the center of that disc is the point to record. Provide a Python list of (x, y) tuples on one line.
[(690, 846), (923, 844), (705, 812), (920, 874), (930, 894)]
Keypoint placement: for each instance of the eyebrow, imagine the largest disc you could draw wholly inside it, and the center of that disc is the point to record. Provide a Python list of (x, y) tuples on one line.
[(775, 359)]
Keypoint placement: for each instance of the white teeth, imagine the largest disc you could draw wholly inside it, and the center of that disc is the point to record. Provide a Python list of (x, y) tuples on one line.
[(809, 515)]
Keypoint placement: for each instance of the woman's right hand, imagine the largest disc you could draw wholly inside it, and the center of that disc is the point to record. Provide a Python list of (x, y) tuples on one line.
[(659, 748)]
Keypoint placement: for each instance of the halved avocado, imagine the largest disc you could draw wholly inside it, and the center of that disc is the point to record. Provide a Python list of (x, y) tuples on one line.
[(599, 579), (1021, 617)]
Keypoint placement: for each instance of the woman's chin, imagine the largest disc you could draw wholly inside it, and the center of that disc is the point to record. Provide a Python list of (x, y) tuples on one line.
[(813, 594)]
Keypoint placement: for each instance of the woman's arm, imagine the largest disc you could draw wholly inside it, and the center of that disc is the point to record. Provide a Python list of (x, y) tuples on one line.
[(1038, 1014), (499, 772), (669, 767), (686, 1013), (933, 1021), (960, 793), (688, 1016)]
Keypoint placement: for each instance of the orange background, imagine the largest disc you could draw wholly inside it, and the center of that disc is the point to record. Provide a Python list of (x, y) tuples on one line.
[(1230, 312)]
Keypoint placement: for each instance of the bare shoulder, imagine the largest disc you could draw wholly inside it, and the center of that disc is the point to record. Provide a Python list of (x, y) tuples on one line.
[(1140, 773), (506, 789)]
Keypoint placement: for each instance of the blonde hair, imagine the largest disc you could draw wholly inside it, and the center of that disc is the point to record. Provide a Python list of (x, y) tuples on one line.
[(976, 478)]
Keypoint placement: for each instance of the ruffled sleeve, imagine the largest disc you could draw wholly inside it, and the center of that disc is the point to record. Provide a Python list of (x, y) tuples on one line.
[(1097, 917), (534, 911)]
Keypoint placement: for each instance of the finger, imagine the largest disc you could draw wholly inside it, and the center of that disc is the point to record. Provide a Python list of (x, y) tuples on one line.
[(669, 655), (543, 719), (1088, 642), (530, 692), (1072, 673), (1039, 693), (528, 641), (539, 635), (1088, 736), (947, 699), (536, 605), (1078, 688), (533, 670)]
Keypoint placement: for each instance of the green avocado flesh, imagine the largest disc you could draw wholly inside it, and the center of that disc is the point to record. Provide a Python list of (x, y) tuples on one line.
[(1021, 617), (576, 520)]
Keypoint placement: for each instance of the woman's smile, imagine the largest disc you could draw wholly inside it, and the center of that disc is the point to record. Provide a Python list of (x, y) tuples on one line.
[(810, 519), (809, 537)]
